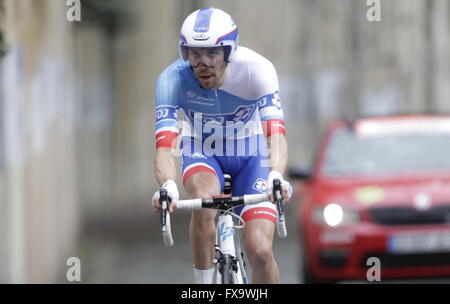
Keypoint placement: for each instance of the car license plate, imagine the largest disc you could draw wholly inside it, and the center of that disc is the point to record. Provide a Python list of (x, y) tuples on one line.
[(419, 242)]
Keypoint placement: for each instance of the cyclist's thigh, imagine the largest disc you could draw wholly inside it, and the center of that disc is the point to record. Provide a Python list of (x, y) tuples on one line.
[(252, 180), (202, 174)]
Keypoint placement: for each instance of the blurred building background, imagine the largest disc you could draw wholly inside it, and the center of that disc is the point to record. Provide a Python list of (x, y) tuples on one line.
[(76, 105)]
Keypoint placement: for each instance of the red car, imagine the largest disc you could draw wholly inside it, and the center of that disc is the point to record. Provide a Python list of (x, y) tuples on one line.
[(379, 188)]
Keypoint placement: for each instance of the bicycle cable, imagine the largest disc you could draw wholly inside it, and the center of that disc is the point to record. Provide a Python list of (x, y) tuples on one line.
[(239, 218)]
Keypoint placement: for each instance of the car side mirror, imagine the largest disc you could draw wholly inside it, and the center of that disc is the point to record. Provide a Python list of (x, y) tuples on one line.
[(301, 173)]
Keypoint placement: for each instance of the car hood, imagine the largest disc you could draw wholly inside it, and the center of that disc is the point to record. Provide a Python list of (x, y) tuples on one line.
[(364, 192)]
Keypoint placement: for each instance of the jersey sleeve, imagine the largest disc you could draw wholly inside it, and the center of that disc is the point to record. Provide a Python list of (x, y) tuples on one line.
[(269, 104), (167, 98)]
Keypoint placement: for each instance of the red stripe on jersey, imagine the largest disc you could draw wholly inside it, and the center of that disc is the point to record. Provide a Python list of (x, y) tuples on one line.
[(196, 169), (259, 213), (273, 126), (166, 139)]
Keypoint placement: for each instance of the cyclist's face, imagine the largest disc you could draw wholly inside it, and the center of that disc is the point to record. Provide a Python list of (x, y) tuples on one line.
[(209, 66)]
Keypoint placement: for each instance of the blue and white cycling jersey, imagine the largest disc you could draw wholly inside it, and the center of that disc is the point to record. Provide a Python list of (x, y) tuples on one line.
[(223, 129), (248, 97)]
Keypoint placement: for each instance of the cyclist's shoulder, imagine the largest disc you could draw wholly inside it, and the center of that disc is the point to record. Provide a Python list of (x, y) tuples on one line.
[(168, 84), (174, 70), (252, 58), (258, 70)]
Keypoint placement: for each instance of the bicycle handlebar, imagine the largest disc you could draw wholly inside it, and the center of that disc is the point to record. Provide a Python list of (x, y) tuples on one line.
[(221, 203)]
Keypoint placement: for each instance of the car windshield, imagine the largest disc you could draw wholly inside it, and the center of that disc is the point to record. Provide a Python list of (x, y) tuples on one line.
[(349, 154)]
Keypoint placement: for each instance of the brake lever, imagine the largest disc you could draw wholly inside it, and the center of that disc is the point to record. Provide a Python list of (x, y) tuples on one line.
[(281, 224), (165, 202), (277, 196), (165, 218)]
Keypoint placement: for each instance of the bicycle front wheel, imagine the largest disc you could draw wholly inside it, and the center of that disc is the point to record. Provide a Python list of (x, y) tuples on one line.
[(227, 276)]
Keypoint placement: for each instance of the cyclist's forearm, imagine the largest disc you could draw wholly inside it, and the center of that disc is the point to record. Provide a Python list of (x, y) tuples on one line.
[(165, 167), (278, 149)]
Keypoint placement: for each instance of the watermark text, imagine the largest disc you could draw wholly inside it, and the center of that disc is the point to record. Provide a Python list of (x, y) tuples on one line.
[(373, 13), (374, 272), (73, 274), (74, 11)]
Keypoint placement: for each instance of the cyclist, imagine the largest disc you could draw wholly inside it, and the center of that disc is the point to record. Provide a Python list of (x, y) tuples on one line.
[(232, 119)]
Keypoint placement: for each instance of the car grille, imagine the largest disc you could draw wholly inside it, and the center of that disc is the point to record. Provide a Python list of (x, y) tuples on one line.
[(409, 260), (410, 216), (334, 258)]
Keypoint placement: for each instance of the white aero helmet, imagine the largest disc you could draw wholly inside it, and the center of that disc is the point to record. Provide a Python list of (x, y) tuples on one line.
[(209, 27)]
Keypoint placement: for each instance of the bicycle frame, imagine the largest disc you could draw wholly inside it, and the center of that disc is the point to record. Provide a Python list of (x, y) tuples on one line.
[(230, 267), (228, 249)]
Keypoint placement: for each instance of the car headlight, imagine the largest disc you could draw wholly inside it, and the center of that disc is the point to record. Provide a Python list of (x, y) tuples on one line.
[(335, 215)]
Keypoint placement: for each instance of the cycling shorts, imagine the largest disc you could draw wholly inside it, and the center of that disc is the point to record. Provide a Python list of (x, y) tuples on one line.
[(249, 172)]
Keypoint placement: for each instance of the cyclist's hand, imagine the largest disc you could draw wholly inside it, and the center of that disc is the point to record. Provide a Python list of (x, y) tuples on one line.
[(172, 191), (286, 188)]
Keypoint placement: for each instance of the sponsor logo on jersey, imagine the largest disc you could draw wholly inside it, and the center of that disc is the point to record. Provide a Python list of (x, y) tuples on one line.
[(162, 113), (166, 113), (193, 97), (190, 94), (260, 185), (242, 113), (276, 101), (262, 102)]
